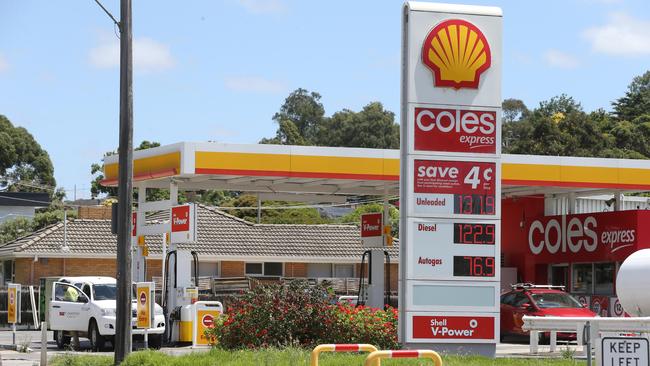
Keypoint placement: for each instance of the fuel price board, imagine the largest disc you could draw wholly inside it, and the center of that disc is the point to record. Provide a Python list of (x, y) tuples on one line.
[(443, 249), (457, 188)]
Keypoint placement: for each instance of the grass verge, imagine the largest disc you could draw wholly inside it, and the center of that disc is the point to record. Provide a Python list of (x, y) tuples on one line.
[(287, 357)]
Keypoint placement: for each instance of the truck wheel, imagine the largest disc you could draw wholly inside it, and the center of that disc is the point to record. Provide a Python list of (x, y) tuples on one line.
[(61, 340), (96, 340), (155, 341)]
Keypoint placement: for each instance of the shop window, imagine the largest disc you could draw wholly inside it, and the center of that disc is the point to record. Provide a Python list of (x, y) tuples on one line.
[(264, 269), (344, 270), (604, 278), (272, 269), (208, 269), (315, 270), (582, 278), (255, 269)]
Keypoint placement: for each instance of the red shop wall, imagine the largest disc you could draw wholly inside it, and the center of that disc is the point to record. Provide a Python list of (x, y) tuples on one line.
[(516, 213)]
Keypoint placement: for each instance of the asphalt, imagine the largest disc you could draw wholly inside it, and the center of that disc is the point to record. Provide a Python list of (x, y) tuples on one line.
[(32, 339)]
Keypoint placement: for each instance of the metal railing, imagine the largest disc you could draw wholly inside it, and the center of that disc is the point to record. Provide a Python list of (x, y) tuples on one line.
[(596, 328)]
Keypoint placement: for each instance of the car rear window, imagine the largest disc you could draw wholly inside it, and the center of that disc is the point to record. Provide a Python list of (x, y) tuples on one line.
[(555, 300)]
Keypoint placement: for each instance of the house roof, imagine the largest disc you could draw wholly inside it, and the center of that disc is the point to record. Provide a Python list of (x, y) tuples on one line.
[(220, 237)]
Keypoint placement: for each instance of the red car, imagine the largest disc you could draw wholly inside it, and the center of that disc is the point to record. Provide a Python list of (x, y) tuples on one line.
[(535, 300)]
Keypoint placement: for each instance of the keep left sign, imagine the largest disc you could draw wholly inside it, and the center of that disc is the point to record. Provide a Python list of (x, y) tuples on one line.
[(625, 351)]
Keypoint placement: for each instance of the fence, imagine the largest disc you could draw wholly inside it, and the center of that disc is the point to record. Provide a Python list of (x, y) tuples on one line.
[(598, 327), (25, 308)]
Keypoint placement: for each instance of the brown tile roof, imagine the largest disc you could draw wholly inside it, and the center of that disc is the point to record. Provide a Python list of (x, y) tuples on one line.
[(220, 236)]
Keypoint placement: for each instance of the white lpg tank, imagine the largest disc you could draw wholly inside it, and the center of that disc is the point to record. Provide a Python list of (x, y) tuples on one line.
[(633, 283)]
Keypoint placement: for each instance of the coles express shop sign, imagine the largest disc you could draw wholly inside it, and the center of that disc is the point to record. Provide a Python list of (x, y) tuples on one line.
[(592, 237), (455, 130)]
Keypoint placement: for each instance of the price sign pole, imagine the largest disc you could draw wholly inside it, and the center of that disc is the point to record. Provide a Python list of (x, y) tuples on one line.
[(450, 178)]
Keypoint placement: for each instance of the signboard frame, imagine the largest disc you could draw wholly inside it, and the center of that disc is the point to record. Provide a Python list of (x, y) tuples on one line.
[(13, 288), (367, 239), (428, 81), (145, 312)]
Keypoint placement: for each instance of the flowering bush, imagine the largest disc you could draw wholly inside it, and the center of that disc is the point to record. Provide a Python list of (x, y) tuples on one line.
[(300, 315), (275, 316), (363, 325)]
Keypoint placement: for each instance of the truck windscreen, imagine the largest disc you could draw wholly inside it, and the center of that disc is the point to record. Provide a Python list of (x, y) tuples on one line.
[(105, 292)]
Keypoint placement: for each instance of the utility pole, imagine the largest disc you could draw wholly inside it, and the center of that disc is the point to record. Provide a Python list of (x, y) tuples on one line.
[(122, 341)]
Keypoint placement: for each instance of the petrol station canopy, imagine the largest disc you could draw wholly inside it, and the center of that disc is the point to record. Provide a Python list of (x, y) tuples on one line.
[(336, 172)]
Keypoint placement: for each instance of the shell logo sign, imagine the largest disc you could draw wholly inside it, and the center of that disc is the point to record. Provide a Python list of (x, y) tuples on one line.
[(457, 53)]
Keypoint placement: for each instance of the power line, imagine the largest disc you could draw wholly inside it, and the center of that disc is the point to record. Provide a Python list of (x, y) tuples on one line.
[(108, 13)]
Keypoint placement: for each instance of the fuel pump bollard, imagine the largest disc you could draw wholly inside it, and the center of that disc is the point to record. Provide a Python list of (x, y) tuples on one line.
[(186, 313), (204, 315)]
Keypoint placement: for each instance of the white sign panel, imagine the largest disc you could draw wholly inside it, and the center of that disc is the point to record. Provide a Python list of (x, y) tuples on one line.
[(453, 250), (454, 57), (625, 351)]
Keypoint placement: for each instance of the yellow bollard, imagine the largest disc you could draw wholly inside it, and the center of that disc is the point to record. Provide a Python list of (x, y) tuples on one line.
[(375, 358), (355, 347)]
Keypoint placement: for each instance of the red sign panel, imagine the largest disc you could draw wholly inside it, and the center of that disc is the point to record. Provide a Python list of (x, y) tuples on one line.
[(371, 225), (455, 130), (439, 176), (604, 236), (180, 218), (453, 327), (208, 320), (134, 221)]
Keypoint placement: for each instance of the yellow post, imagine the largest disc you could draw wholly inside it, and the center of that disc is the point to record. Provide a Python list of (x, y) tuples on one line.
[(355, 347), (375, 358)]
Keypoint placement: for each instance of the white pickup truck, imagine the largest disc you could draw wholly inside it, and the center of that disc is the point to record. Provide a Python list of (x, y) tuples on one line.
[(86, 305)]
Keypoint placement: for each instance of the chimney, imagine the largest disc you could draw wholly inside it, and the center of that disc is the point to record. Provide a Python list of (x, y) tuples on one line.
[(94, 212)]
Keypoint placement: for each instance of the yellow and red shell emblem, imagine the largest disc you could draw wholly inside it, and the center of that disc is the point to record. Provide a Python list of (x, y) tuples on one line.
[(457, 53)]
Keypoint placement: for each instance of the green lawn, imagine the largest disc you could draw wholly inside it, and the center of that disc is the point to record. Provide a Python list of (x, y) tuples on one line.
[(288, 357)]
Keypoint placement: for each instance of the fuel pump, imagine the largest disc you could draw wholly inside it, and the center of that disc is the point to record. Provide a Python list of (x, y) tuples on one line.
[(375, 293), (179, 293)]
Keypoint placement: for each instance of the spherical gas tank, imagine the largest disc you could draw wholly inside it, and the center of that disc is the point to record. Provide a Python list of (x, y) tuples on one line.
[(633, 283)]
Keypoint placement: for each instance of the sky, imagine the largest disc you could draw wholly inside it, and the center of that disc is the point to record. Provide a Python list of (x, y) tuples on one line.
[(218, 70)]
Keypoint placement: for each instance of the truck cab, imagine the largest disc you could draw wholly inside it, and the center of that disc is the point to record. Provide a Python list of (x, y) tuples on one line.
[(86, 305)]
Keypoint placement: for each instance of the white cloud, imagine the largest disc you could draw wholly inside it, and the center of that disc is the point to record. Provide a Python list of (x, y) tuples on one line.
[(622, 35), (148, 55), (254, 84), (263, 6), (4, 65), (559, 59)]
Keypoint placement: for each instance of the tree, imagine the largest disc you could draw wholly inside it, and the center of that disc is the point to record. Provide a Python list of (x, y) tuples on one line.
[(248, 212), (513, 110), (300, 115), (355, 215), (372, 127), (24, 165), (636, 101), (302, 121)]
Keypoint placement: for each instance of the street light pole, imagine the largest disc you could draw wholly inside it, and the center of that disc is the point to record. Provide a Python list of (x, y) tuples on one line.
[(122, 340)]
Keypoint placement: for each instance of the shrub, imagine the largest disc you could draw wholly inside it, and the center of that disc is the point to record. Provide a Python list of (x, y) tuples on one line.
[(275, 316), (300, 315), (363, 325)]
